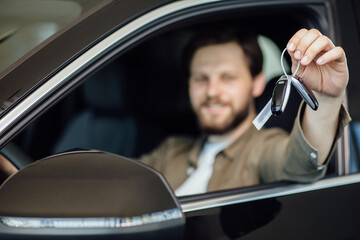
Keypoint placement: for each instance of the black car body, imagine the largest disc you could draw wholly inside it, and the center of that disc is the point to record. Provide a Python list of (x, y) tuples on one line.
[(42, 93)]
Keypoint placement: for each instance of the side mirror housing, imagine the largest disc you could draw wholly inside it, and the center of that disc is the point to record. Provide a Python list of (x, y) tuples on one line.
[(86, 194)]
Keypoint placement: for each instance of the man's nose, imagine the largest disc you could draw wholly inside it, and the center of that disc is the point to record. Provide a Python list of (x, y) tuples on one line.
[(213, 88)]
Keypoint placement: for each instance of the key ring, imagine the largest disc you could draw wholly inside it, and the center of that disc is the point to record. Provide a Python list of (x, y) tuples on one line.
[(282, 88), (297, 82), (282, 64)]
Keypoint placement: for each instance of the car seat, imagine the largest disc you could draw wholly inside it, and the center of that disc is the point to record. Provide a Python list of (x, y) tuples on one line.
[(104, 124)]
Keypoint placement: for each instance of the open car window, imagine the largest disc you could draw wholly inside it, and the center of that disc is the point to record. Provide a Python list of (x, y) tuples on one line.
[(110, 112)]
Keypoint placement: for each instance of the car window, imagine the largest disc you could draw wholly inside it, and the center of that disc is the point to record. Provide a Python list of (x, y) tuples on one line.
[(111, 112), (24, 24)]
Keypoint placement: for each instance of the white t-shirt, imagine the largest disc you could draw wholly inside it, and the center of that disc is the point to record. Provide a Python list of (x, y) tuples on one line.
[(198, 181)]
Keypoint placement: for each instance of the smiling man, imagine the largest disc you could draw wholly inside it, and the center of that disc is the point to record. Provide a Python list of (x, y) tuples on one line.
[(222, 89), (225, 76)]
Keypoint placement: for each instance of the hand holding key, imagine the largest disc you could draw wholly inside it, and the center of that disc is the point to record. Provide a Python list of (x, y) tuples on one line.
[(323, 69), (323, 65)]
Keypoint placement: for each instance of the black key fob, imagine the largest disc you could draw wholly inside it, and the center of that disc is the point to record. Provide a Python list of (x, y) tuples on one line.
[(305, 92), (280, 95)]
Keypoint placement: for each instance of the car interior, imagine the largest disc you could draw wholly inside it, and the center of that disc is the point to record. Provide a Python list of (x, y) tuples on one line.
[(140, 97)]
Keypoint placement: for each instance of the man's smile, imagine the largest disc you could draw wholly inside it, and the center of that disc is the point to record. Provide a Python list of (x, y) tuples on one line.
[(214, 108)]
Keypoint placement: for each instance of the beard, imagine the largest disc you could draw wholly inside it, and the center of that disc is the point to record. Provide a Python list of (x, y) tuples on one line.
[(233, 121)]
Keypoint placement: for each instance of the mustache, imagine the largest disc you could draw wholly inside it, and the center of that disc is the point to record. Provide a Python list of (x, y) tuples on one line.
[(211, 101)]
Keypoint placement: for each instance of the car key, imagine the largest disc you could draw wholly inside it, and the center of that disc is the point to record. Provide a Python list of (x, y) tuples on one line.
[(304, 92), (280, 95), (276, 104)]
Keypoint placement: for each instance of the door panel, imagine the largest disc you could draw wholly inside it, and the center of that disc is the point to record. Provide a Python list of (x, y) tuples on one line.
[(322, 214)]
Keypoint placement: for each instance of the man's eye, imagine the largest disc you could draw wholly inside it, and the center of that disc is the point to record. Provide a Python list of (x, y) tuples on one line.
[(228, 77), (200, 79)]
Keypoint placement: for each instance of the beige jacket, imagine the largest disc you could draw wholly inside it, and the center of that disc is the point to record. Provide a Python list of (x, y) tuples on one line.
[(256, 157)]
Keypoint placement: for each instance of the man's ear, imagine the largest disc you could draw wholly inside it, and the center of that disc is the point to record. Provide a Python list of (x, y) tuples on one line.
[(259, 85)]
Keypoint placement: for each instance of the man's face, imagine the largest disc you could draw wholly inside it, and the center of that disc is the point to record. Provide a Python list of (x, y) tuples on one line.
[(220, 87)]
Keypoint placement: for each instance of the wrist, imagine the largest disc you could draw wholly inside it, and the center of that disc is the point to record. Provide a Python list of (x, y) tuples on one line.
[(329, 107)]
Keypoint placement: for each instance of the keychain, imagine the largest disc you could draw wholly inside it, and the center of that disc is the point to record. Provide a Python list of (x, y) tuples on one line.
[(281, 93)]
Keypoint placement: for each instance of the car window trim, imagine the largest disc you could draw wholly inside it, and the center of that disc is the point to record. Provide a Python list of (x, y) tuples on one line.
[(269, 192)]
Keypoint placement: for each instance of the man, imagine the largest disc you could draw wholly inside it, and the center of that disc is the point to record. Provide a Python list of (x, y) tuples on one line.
[(225, 77)]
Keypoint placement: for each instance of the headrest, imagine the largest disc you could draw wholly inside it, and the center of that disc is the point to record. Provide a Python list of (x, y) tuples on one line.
[(271, 55), (105, 90)]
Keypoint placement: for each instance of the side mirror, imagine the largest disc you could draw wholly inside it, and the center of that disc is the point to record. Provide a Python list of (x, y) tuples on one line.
[(89, 194)]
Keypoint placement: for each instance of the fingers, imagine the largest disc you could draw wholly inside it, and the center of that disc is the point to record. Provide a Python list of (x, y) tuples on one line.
[(302, 40), (314, 50), (335, 54), (310, 45), (294, 41)]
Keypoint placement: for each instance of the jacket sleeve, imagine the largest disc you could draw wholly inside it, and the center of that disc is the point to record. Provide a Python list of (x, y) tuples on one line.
[(155, 158), (293, 158), (170, 148)]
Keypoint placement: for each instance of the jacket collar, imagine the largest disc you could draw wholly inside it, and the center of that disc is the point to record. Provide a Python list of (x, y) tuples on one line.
[(237, 146), (233, 150)]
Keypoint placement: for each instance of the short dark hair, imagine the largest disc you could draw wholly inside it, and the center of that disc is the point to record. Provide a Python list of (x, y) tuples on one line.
[(220, 34)]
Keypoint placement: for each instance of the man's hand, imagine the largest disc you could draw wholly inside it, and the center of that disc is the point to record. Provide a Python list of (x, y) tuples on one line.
[(324, 70), (323, 66), (6, 168)]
